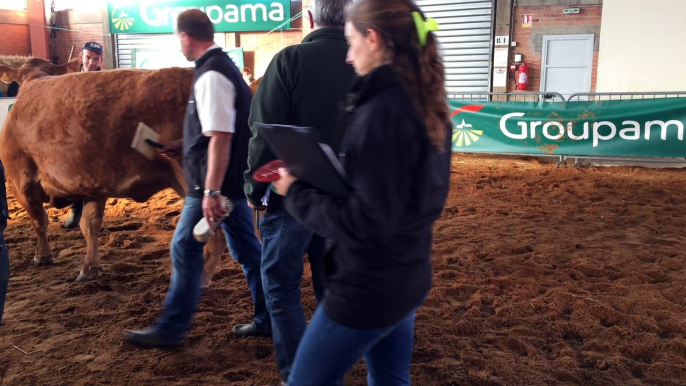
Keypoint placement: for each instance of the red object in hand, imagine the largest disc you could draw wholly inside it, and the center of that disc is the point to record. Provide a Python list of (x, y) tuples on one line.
[(268, 172)]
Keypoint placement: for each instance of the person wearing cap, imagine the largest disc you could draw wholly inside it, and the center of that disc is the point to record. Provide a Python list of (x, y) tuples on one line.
[(91, 56)]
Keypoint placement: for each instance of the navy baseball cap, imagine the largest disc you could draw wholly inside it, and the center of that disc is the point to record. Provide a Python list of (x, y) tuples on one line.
[(93, 46)]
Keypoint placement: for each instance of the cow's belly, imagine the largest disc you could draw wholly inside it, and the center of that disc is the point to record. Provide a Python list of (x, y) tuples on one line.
[(140, 186)]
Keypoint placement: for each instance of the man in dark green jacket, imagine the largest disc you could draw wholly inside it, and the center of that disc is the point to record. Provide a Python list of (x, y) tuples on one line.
[(304, 85)]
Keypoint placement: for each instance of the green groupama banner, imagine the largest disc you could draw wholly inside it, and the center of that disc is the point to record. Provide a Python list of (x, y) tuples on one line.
[(159, 16), (647, 127)]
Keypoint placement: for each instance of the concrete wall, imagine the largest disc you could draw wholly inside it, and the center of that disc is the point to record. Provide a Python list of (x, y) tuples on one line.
[(641, 48), (549, 19), (259, 47), (76, 28)]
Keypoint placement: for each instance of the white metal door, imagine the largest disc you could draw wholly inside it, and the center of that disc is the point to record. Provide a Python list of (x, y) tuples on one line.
[(567, 64), (465, 41)]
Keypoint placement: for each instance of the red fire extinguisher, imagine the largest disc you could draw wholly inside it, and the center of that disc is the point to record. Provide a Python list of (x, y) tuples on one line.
[(523, 77)]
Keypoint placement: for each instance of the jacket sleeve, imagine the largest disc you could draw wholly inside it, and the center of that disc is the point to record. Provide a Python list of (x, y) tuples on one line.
[(381, 184), (271, 104)]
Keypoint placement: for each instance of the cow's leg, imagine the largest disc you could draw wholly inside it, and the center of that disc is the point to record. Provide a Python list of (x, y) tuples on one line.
[(30, 198), (215, 247), (91, 221)]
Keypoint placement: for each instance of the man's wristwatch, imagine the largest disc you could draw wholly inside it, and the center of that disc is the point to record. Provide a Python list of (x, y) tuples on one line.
[(211, 193)]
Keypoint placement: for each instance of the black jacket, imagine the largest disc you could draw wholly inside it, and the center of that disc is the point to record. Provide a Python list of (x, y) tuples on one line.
[(378, 265), (195, 144), (304, 85)]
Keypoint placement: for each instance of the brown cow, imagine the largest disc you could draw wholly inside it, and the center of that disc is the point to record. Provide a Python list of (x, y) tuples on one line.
[(68, 138)]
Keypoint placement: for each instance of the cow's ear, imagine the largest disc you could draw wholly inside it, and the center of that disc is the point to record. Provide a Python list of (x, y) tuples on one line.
[(74, 65)]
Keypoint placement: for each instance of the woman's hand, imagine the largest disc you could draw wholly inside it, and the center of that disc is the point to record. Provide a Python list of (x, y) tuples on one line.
[(284, 182)]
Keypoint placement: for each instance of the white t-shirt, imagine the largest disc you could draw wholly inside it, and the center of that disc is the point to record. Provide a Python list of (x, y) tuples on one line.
[(215, 101)]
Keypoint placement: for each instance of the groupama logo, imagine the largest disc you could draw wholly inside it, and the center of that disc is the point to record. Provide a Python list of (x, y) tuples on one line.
[(464, 133), (122, 20)]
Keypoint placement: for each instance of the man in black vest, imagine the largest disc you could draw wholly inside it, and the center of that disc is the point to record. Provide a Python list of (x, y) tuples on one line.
[(215, 153), (91, 56), (4, 254)]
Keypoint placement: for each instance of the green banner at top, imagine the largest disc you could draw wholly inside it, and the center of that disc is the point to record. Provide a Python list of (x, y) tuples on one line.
[(643, 128), (159, 16)]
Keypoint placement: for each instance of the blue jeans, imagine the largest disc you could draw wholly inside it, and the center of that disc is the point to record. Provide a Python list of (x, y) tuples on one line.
[(284, 243), (187, 267), (4, 273), (328, 350)]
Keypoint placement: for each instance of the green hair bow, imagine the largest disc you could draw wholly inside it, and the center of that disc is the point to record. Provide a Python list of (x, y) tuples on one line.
[(423, 26)]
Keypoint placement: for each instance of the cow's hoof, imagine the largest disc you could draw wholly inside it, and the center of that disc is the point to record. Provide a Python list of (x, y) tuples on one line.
[(40, 261), (83, 278), (88, 275)]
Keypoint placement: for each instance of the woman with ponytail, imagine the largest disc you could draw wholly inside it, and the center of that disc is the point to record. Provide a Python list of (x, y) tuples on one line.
[(396, 153)]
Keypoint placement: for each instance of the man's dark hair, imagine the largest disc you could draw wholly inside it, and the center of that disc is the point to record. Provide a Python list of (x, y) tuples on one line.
[(196, 24), (329, 13)]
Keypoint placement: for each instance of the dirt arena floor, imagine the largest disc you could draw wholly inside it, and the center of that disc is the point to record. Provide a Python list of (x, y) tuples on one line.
[(542, 276)]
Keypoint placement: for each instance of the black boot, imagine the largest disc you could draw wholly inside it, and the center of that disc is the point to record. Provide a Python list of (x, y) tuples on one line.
[(75, 215), (150, 338)]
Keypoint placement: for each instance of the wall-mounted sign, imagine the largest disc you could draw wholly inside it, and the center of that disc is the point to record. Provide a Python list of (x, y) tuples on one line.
[(570, 10), (153, 60), (500, 55), (527, 21), (502, 40), (159, 16), (500, 77)]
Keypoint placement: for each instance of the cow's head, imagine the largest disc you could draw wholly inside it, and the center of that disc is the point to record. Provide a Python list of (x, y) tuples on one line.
[(37, 67)]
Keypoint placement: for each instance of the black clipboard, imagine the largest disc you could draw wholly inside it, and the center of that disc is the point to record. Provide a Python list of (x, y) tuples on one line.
[(307, 157)]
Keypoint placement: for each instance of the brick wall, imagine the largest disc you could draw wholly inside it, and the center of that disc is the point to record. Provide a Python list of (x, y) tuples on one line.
[(14, 39), (77, 35), (550, 20), (260, 48)]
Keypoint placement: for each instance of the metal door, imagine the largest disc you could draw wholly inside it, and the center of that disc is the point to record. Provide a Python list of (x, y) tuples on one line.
[(567, 64)]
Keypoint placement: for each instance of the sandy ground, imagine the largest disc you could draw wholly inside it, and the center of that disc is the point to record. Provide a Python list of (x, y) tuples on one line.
[(542, 276)]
